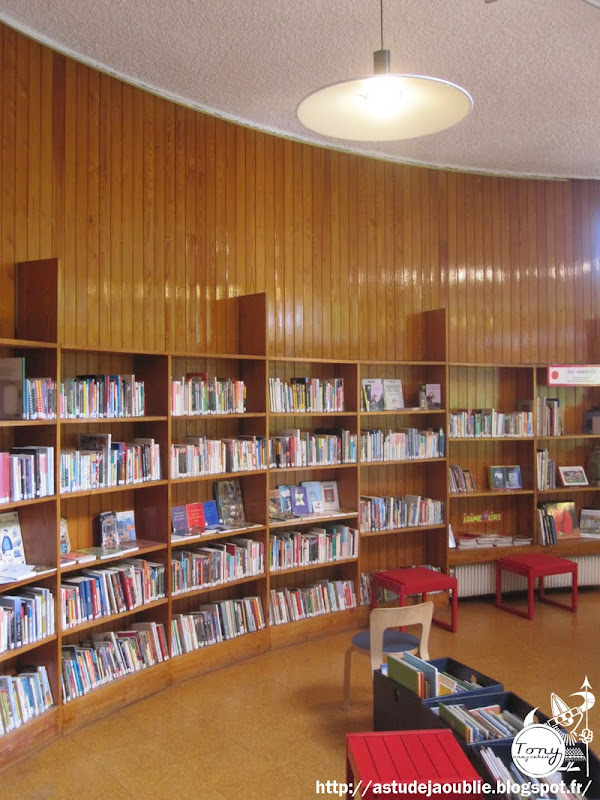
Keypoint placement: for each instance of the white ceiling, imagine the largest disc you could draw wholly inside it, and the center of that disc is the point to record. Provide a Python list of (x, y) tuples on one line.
[(531, 66)]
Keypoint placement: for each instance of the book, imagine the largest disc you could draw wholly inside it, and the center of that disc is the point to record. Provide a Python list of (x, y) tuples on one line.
[(300, 505), (12, 380), (65, 541), (228, 495), (18, 572), (372, 394), (505, 477), (315, 496), (563, 517), (589, 523), (331, 500), (393, 397), (126, 526), (11, 539), (433, 395), (406, 674), (76, 557), (211, 515), (179, 519), (102, 552), (107, 526), (195, 516), (285, 499)]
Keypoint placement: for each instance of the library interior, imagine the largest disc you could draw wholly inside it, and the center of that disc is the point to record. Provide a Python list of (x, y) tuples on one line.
[(299, 463)]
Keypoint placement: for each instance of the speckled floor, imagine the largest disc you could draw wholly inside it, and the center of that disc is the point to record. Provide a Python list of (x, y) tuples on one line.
[(273, 726)]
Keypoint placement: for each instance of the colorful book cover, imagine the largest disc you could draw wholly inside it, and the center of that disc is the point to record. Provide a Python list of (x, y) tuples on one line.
[(11, 540), (331, 501), (179, 518), (285, 498), (228, 495), (107, 523), (126, 526), (406, 675), (299, 501), (315, 496), (211, 515), (195, 515)]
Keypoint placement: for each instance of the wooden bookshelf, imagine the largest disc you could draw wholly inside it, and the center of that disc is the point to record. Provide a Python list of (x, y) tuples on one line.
[(244, 356)]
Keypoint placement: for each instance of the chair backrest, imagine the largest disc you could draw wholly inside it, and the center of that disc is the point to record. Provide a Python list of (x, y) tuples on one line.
[(383, 618)]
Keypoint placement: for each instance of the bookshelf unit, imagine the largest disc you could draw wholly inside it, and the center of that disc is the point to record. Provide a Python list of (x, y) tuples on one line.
[(243, 356)]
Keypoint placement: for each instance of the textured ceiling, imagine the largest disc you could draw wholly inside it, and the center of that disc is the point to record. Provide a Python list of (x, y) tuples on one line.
[(531, 66)]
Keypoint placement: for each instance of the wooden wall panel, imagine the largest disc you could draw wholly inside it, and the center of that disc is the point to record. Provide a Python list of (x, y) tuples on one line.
[(158, 213)]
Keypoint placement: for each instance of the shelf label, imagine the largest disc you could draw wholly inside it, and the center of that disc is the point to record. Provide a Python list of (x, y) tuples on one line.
[(574, 375)]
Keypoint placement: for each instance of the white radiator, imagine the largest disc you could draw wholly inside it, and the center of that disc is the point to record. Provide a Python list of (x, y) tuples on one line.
[(479, 579)]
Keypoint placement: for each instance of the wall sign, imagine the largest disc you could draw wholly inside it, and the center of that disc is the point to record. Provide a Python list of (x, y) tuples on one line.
[(574, 375)]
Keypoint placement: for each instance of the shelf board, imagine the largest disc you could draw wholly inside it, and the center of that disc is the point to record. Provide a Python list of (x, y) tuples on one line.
[(276, 572), (18, 651), (197, 590), (487, 365), (572, 547), (209, 537), (405, 411), (20, 503), (309, 519), (222, 654), (454, 439), (111, 351), (370, 534), (108, 420), (276, 470), (567, 436), (286, 414), (213, 417), (569, 490), (26, 423), (93, 623), (8, 587), (108, 489), (385, 363), (219, 476), (144, 546), (29, 343), (217, 356), (440, 459), (489, 493), (308, 360)]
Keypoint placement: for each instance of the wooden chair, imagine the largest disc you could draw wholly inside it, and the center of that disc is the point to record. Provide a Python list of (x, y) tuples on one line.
[(380, 639)]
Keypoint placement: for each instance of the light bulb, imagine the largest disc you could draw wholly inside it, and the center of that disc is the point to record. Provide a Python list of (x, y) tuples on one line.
[(382, 95)]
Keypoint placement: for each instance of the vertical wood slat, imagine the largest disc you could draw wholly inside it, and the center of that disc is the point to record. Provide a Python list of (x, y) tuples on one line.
[(157, 213)]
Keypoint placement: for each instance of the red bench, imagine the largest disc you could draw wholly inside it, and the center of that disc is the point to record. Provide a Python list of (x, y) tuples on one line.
[(417, 580), (532, 566)]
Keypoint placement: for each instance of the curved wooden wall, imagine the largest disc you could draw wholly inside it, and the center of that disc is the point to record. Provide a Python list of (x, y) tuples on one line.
[(158, 212)]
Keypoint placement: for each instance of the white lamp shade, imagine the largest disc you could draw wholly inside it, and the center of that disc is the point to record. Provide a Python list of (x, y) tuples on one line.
[(384, 108)]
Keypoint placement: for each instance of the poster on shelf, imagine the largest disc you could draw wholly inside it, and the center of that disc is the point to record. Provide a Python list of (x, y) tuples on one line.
[(574, 375)]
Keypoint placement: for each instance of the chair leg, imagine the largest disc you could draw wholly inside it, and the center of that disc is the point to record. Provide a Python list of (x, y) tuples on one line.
[(347, 668)]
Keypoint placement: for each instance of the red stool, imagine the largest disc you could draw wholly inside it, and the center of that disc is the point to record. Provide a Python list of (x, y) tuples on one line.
[(406, 757), (417, 580), (532, 566)]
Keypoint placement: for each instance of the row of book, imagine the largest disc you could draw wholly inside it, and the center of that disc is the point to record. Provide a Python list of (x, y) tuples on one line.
[(39, 398), (219, 562), (546, 470), (99, 593), (518, 785), (402, 445), (474, 541), (311, 497), (214, 623), (319, 448), (314, 546), (306, 395), (26, 616), (548, 416), (26, 473), (381, 394), (119, 464), (487, 422), (423, 678), (324, 597), (111, 655), (485, 723), (102, 396), (201, 456), (23, 697), (460, 480), (389, 513), (196, 394)]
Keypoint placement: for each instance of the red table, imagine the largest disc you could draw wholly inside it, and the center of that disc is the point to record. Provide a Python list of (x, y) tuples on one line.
[(417, 580), (532, 566), (408, 756)]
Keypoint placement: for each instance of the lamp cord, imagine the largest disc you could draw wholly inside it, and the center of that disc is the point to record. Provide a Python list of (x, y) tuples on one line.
[(381, 20)]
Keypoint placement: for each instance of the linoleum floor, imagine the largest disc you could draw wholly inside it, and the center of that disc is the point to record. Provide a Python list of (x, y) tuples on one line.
[(273, 726)]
